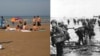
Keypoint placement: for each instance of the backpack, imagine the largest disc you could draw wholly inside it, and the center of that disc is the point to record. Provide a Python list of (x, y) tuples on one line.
[(57, 36)]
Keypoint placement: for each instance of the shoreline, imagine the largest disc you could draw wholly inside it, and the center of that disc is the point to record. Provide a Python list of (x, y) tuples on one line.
[(26, 44), (45, 26)]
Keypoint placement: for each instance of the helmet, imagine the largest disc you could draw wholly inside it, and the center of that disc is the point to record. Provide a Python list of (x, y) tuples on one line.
[(61, 23), (53, 21)]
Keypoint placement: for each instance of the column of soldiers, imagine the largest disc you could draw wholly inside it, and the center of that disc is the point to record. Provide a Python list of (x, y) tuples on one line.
[(59, 33)]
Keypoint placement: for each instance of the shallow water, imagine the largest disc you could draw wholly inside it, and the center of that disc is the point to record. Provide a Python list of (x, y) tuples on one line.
[(83, 51), (28, 19), (76, 54)]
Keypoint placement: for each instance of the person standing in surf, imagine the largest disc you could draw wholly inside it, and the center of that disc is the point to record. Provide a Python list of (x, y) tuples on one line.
[(2, 23), (34, 20), (38, 20)]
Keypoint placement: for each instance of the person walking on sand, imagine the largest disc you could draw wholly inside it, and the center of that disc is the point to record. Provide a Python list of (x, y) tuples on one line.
[(38, 20)]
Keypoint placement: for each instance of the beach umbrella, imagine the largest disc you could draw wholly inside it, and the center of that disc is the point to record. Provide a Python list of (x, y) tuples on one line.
[(13, 19), (18, 19)]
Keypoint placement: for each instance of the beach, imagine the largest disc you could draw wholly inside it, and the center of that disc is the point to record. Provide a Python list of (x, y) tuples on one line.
[(25, 44), (79, 50)]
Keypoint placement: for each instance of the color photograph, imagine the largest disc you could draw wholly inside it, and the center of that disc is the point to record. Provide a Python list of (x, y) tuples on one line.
[(24, 27)]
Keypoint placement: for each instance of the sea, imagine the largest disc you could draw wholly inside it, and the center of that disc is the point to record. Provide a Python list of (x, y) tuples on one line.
[(28, 19)]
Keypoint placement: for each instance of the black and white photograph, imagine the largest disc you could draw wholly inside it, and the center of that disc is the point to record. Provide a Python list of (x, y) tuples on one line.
[(75, 28)]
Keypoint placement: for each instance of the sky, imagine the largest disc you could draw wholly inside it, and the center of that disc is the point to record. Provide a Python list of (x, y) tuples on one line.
[(75, 8), (24, 7)]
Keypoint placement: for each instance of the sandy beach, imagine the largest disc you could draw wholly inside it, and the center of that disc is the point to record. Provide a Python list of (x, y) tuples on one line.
[(25, 44)]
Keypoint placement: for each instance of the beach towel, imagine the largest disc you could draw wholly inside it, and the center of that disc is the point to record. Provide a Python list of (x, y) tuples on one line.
[(42, 30), (25, 31), (11, 29)]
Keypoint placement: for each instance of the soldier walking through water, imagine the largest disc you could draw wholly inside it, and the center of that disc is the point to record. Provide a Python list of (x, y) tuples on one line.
[(57, 38)]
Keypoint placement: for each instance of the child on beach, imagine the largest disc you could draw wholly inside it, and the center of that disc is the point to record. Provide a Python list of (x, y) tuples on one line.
[(17, 28), (21, 24), (7, 27), (25, 27), (35, 28)]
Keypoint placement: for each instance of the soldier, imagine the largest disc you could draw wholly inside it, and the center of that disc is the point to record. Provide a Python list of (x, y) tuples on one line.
[(99, 23), (68, 21), (57, 37), (65, 30), (91, 32), (80, 34), (74, 20), (86, 33)]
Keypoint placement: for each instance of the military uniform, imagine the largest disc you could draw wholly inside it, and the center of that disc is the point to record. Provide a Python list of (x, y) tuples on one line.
[(57, 35)]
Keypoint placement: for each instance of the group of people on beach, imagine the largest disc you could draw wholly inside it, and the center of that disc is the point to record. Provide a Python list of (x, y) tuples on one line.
[(22, 24), (59, 33), (36, 23)]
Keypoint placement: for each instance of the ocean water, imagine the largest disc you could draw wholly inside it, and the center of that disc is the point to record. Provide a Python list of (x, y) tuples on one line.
[(28, 19)]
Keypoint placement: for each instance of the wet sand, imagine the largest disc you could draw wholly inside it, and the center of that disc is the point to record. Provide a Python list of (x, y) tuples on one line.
[(25, 44)]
